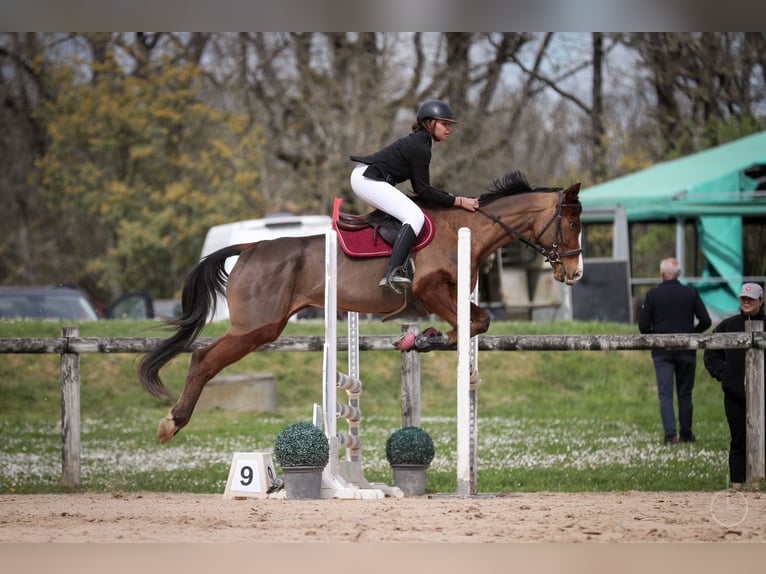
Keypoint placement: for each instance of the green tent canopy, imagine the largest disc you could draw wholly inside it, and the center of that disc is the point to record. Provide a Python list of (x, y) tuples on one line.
[(716, 187)]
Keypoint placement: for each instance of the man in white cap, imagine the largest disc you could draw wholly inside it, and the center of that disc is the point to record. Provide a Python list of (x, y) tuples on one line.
[(728, 367)]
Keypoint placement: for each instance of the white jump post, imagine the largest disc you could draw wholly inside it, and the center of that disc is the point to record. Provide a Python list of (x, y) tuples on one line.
[(330, 361), (467, 373), (344, 480)]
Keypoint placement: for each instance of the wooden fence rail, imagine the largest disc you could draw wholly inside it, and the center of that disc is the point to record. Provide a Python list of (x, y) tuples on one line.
[(70, 346), (82, 345)]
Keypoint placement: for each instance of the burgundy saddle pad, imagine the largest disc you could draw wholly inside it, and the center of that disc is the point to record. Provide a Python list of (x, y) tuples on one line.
[(369, 241)]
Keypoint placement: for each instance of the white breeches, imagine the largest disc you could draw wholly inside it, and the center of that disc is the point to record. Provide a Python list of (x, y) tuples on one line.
[(386, 197)]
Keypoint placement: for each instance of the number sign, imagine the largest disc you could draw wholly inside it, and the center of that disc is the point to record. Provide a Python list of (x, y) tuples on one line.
[(250, 475)]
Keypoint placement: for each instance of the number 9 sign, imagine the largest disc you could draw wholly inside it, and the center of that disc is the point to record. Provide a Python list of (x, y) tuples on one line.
[(251, 475)]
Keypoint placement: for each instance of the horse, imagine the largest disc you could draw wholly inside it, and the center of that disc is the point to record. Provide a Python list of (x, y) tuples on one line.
[(273, 279)]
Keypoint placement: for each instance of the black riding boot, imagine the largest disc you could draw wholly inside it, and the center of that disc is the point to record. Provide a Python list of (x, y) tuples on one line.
[(397, 277)]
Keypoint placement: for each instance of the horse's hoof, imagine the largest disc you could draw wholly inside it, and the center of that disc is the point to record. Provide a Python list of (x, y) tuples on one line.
[(405, 342), (167, 429), (430, 339)]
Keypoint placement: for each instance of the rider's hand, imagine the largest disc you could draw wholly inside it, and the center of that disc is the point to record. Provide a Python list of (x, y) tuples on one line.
[(467, 203)]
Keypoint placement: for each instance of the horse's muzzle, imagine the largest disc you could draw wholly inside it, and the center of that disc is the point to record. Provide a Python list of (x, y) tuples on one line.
[(563, 275), (574, 279)]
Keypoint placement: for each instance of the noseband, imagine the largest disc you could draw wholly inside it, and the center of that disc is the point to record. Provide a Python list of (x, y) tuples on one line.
[(551, 255)]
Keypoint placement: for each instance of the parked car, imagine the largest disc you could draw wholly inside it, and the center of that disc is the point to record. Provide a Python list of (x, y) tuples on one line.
[(167, 308), (69, 303), (270, 227), (133, 305)]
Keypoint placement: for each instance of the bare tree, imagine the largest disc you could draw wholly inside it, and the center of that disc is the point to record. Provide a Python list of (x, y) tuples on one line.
[(544, 103), (598, 165), (22, 141), (701, 81)]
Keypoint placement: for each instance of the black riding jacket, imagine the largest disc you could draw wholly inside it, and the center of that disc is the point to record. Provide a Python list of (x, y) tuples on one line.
[(671, 308), (728, 365), (407, 158)]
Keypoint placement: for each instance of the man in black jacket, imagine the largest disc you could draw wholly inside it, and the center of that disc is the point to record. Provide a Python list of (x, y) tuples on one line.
[(728, 367), (672, 308)]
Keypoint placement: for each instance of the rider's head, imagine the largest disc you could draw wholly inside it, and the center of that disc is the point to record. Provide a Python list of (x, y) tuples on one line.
[(433, 110)]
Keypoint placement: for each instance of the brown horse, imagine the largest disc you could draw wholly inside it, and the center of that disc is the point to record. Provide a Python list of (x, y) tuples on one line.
[(274, 279)]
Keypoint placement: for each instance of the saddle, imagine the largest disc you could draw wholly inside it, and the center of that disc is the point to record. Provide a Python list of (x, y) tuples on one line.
[(373, 234)]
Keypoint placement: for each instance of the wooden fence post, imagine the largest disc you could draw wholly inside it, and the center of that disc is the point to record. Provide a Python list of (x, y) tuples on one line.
[(70, 412), (755, 469), (410, 382)]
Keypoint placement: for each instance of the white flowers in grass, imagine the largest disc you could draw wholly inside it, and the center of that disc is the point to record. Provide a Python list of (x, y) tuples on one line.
[(33, 453)]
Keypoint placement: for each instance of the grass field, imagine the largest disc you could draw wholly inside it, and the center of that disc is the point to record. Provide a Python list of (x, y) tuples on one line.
[(549, 421)]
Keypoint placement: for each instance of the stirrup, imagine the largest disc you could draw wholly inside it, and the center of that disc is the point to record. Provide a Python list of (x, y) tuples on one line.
[(397, 280)]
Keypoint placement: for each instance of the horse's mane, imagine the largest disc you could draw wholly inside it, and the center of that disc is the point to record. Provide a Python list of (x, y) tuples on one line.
[(512, 183)]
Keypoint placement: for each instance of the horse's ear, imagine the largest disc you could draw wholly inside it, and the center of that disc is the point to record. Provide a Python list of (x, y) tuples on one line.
[(572, 191)]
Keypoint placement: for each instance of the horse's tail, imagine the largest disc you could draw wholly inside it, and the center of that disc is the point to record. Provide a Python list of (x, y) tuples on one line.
[(198, 302)]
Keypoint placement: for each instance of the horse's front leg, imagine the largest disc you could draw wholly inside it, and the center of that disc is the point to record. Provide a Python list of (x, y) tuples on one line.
[(441, 298), (480, 320)]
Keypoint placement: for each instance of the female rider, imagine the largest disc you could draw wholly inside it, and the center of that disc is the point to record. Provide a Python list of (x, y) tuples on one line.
[(407, 158)]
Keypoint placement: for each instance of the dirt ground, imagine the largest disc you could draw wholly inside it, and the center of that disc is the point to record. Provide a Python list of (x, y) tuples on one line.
[(580, 533), (539, 517)]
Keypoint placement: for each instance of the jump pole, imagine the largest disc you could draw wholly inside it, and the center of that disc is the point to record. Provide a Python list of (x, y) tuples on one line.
[(467, 377)]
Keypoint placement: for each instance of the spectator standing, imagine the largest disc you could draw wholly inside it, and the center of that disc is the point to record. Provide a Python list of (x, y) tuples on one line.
[(728, 367), (673, 308)]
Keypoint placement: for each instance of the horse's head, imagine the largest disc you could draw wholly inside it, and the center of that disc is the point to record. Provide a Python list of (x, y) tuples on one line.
[(549, 221), (565, 251)]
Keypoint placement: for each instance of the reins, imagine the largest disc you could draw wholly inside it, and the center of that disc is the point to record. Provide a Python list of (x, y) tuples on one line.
[(551, 255)]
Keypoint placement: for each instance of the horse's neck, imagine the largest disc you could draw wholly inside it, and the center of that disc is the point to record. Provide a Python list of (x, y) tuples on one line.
[(525, 213)]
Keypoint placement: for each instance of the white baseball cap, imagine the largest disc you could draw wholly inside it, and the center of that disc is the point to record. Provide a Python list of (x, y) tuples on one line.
[(751, 291)]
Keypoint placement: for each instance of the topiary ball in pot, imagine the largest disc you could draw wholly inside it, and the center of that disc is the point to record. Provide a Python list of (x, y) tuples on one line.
[(302, 444), (410, 446)]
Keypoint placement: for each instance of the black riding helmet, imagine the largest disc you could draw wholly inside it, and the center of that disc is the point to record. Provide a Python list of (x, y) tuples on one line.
[(435, 109)]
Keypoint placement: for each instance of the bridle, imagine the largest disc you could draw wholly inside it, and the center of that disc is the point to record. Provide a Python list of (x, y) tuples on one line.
[(551, 255)]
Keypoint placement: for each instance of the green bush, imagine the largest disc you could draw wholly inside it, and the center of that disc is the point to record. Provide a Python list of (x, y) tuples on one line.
[(302, 444), (410, 445)]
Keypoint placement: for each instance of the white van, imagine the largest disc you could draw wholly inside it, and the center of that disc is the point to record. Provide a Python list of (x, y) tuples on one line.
[(271, 227)]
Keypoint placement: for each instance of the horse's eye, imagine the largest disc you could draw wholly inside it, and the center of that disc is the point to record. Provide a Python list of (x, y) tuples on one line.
[(573, 225)]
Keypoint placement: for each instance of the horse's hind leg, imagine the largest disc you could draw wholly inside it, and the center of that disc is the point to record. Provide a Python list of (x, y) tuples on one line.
[(205, 364)]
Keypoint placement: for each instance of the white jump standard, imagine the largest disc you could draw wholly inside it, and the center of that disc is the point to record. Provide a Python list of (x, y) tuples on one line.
[(467, 373), (342, 479)]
